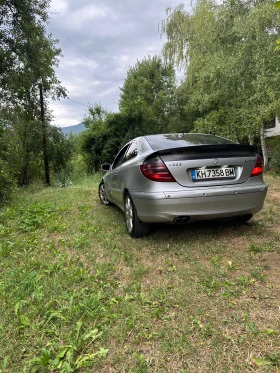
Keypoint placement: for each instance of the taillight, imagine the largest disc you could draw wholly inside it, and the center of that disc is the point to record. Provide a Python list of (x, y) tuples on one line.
[(154, 169), (258, 169)]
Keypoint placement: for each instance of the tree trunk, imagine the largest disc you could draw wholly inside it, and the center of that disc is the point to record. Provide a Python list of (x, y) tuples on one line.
[(44, 133), (264, 148), (24, 168), (24, 171)]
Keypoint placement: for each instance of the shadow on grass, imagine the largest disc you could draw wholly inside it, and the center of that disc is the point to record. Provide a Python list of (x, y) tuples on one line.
[(202, 230), (212, 228)]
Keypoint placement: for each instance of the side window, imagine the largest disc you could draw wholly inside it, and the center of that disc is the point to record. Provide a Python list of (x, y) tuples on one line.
[(120, 158), (132, 151), (128, 152)]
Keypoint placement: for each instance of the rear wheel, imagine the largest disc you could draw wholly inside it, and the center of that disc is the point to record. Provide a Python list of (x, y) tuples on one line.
[(102, 194), (134, 226)]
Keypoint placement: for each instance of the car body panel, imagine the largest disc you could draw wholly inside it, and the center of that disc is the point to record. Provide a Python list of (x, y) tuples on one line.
[(199, 204)]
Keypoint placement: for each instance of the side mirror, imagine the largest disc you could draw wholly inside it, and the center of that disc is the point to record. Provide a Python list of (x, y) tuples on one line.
[(105, 167)]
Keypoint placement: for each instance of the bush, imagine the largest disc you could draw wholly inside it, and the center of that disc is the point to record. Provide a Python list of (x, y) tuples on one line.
[(275, 161), (62, 179), (77, 168), (7, 184)]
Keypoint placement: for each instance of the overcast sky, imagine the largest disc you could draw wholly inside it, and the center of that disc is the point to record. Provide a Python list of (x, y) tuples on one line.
[(100, 40)]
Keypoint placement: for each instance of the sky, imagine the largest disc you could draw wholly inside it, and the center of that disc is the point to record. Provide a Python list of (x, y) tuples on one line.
[(100, 41)]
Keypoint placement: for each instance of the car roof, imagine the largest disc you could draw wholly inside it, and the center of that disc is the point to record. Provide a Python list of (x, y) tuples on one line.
[(178, 140)]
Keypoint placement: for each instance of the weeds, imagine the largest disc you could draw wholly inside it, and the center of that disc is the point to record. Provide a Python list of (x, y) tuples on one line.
[(62, 179), (34, 216)]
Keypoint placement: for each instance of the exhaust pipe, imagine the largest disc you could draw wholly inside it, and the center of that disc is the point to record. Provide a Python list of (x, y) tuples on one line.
[(181, 219)]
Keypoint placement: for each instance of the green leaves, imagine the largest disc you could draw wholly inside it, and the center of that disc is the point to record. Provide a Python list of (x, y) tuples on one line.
[(29, 56), (232, 70), (148, 95), (272, 360), (35, 216)]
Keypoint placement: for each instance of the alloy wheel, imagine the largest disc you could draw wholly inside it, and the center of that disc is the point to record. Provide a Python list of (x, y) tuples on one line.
[(102, 194), (129, 214)]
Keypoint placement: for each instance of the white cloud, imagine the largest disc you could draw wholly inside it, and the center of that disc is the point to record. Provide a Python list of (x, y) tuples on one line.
[(100, 41), (78, 63), (66, 113), (59, 6), (88, 14), (107, 92)]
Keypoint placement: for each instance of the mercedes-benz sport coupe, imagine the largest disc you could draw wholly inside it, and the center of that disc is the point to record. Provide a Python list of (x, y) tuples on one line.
[(182, 178)]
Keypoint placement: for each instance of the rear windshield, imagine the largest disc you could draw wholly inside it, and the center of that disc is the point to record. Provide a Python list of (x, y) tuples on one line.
[(169, 141)]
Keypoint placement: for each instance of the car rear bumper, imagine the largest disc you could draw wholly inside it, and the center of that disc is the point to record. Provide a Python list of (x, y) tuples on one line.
[(199, 204)]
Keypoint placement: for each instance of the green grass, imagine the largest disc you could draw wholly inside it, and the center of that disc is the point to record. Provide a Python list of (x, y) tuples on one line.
[(77, 294)]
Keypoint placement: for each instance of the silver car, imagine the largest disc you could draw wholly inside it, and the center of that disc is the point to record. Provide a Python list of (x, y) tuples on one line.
[(181, 178)]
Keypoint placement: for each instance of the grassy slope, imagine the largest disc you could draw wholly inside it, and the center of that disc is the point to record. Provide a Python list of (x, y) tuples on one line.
[(77, 294)]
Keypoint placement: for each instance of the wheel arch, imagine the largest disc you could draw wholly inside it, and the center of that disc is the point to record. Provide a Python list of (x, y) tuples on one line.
[(125, 192)]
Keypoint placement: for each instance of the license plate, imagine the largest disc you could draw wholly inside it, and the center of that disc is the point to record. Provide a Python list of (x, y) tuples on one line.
[(213, 173)]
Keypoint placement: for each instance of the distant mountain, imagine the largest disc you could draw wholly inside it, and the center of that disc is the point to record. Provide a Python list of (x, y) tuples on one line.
[(74, 129)]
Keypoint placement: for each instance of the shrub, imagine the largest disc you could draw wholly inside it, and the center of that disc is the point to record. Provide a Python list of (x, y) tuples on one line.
[(77, 168), (275, 161), (7, 183), (62, 179)]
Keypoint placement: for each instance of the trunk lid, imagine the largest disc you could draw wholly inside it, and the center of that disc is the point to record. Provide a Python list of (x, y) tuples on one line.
[(209, 165)]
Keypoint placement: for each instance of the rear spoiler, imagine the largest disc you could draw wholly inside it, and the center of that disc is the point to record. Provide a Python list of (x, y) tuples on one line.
[(204, 152)]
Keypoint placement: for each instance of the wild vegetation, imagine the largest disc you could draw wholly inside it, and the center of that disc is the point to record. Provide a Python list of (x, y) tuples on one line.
[(229, 52), (27, 78), (229, 55), (79, 295)]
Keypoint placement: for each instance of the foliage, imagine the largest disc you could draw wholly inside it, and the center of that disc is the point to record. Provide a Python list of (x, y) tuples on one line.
[(62, 179), (29, 57), (232, 68), (6, 179), (275, 162), (60, 148), (77, 167), (103, 137), (6, 182), (148, 96), (273, 145), (23, 148), (29, 54)]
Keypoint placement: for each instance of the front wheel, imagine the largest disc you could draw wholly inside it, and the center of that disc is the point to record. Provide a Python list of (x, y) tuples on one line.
[(102, 194), (134, 226)]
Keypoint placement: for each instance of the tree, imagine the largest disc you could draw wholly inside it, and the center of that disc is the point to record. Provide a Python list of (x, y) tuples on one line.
[(93, 139), (148, 96), (20, 22), (22, 148), (6, 180), (232, 68), (29, 59), (105, 134)]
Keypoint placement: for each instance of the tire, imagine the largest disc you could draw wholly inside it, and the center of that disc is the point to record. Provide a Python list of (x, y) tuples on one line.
[(102, 194), (243, 218), (135, 228)]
